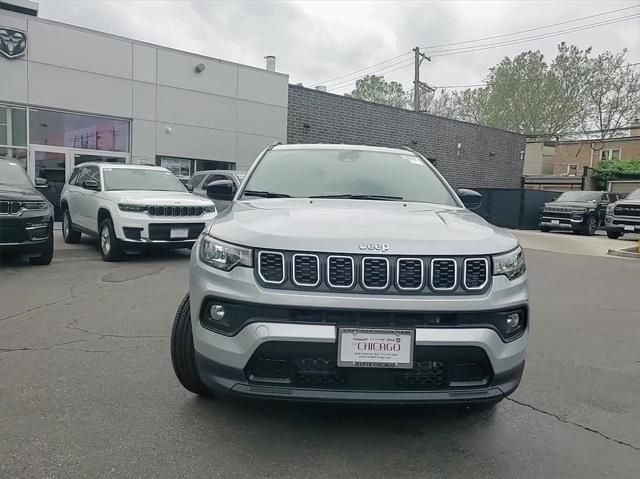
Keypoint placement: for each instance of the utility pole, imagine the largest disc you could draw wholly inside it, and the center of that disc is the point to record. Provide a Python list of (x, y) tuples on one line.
[(417, 84)]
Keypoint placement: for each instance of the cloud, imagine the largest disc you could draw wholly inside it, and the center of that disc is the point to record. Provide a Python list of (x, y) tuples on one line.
[(316, 41)]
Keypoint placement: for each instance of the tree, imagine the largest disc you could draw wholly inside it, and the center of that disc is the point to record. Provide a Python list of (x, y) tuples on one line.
[(612, 94), (376, 89), (607, 170)]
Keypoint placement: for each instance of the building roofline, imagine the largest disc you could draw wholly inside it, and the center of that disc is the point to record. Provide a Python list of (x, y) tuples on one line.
[(404, 110), (30, 18)]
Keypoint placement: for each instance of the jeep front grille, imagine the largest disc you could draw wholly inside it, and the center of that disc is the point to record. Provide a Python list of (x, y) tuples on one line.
[(443, 274), (627, 210), (476, 273), (371, 274), (175, 210), (10, 207)]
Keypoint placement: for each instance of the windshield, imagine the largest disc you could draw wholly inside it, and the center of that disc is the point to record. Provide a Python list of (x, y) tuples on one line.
[(579, 196), (634, 195), (348, 173), (116, 179), (13, 174)]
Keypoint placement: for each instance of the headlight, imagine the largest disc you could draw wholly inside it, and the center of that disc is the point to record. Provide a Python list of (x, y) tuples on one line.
[(210, 209), (133, 208), (579, 211), (610, 208), (34, 205), (223, 255), (510, 264)]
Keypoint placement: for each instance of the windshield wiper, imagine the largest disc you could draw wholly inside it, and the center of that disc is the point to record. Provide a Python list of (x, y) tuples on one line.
[(350, 196), (265, 194)]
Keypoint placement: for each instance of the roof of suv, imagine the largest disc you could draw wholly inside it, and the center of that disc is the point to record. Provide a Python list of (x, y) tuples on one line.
[(327, 146), (102, 164)]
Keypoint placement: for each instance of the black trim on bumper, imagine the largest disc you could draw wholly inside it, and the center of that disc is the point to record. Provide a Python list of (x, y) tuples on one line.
[(232, 381)]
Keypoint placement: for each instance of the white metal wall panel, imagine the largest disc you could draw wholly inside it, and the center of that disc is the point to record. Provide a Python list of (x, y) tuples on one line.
[(262, 119), (13, 80), (79, 91), (262, 86), (249, 146), (178, 70), (196, 109), (71, 48), (143, 144), (144, 100), (192, 142), (144, 63)]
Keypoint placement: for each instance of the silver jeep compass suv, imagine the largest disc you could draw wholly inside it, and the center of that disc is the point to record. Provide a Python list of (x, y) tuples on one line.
[(352, 274)]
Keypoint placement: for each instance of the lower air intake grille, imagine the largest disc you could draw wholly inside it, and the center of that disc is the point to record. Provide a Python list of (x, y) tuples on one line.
[(271, 267), (443, 274)]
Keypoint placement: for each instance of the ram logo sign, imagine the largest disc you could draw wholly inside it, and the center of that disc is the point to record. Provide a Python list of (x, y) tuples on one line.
[(13, 43)]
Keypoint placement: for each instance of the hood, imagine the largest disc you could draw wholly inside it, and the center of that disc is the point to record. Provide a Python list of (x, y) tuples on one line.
[(177, 198), (627, 202), (348, 226), (571, 204), (19, 193)]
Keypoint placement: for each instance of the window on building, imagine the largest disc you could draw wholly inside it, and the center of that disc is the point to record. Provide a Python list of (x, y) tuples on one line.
[(572, 170), (13, 134), (71, 130), (611, 154), (180, 167), (214, 165)]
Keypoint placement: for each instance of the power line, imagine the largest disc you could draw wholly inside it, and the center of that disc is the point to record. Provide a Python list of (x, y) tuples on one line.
[(363, 69), (530, 29), (354, 81), (489, 46)]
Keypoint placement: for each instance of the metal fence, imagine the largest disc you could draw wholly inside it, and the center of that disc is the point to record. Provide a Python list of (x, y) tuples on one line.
[(513, 208)]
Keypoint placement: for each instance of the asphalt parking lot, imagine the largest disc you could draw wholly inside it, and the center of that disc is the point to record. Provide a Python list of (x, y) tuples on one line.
[(87, 388)]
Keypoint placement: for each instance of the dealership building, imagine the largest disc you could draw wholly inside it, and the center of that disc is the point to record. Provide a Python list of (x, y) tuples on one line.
[(69, 95)]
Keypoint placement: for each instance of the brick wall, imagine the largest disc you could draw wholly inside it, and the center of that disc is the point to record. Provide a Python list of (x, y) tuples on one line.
[(581, 154), (487, 158)]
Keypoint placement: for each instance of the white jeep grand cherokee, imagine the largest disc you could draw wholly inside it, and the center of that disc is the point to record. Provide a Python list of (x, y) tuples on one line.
[(131, 206)]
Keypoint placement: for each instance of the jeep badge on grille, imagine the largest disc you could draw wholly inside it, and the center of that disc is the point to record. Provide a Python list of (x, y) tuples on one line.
[(384, 247)]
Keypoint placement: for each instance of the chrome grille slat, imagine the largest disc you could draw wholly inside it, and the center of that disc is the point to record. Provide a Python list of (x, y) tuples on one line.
[(306, 270), (410, 274), (374, 270), (476, 273), (444, 274), (338, 275)]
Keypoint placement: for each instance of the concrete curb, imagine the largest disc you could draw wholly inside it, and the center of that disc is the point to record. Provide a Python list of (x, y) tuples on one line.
[(625, 252)]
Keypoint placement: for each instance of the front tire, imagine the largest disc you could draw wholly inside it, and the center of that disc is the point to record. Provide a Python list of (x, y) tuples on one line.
[(545, 229), (590, 226), (613, 234), (183, 352), (69, 235), (46, 255), (109, 245)]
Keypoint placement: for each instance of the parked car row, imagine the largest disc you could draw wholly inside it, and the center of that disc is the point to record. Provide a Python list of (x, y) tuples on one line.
[(583, 212), (127, 207)]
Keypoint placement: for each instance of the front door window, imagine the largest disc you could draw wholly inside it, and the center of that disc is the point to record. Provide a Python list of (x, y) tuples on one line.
[(51, 166)]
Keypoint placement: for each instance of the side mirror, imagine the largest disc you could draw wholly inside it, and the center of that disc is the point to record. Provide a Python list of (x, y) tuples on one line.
[(90, 185), (471, 199), (189, 188), (41, 183), (221, 190)]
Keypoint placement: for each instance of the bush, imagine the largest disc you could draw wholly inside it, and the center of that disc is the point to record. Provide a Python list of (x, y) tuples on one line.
[(608, 170)]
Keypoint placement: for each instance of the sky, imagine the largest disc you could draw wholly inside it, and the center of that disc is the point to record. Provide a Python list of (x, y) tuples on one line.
[(317, 41)]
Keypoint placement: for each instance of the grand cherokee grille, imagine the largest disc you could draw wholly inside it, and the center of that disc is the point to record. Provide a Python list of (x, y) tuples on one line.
[(175, 210), (627, 210), (476, 273), (9, 207), (372, 274)]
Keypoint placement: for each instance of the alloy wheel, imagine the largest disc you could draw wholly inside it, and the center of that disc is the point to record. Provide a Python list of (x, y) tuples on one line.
[(105, 240), (65, 225)]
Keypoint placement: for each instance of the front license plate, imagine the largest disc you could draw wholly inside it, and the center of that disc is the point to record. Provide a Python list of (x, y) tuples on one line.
[(629, 228), (179, 233), (555, 222), (375, 348)]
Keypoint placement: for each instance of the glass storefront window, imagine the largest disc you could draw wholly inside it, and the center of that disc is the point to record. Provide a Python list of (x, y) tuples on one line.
[(13, 126), (18, 155), (72, 130), (181, 167), (214, 165)]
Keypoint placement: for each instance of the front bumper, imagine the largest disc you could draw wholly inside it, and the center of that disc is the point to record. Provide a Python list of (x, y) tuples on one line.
[(622, 224), (25, 232), (144, 229), (549, 220), (223, 360)]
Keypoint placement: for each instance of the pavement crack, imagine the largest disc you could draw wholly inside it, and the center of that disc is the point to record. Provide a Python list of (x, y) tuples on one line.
[(581, 426), (120, 336)]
